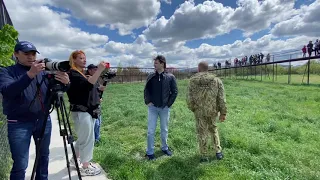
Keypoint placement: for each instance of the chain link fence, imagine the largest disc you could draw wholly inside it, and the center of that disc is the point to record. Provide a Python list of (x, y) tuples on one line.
[(5, 155)]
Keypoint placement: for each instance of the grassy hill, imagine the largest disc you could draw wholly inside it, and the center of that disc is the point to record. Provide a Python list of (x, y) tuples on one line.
[(271, 132)]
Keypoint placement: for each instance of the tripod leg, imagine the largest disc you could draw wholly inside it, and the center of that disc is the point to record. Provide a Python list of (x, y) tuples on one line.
[(63, 133), (69, 137), (39, 140)]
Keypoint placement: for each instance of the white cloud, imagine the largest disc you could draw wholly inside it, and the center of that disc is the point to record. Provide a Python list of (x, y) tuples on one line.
[(142, 50), (253, 16), (141, 54), (166, 1), (51, 32), (124, 15), (307, 22), (190, 22), (265, 44), (209, 19)]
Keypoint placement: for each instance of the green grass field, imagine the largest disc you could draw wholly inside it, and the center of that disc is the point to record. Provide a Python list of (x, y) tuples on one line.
[(271, 132)]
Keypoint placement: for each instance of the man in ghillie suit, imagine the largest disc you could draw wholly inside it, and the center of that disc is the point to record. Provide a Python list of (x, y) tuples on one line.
[(206, 99)]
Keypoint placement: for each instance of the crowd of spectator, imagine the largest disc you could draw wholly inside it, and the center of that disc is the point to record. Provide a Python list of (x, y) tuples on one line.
[(261, 58), (252, 60), (311, 47)]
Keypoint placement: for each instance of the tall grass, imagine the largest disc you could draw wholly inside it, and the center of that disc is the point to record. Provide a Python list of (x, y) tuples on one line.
[(271, 132)]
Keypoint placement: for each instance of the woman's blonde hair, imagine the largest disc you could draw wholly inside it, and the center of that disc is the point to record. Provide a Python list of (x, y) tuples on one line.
[(72, 57)]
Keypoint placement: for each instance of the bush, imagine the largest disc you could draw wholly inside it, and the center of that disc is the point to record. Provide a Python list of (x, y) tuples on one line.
[(8, 36)]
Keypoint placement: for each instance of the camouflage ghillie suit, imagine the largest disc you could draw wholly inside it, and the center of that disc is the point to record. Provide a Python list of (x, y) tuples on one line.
[(206, 98)]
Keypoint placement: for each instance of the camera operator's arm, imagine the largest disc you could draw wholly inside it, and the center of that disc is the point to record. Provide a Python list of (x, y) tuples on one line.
[(94, 78), (11, 87)]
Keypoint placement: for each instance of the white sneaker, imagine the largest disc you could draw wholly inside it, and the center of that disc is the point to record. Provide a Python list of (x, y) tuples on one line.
[(90, 170), (74, 164)]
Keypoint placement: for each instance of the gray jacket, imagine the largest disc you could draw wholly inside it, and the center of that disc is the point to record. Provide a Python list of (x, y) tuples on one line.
[(169, 89)]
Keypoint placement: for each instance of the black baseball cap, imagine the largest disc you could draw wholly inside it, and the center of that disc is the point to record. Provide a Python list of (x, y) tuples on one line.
[(91, 66), (25, 46)]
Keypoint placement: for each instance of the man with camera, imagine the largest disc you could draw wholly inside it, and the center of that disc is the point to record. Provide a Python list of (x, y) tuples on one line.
[(91, 69), (25, 105), (160, 92), (206, 99)]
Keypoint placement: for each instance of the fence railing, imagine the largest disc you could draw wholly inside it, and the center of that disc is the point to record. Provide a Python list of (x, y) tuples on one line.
[(4, 146), (278, 66), (273, 69)]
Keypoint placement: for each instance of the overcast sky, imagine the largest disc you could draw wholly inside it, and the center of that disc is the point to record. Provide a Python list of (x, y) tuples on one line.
[(132, 32)]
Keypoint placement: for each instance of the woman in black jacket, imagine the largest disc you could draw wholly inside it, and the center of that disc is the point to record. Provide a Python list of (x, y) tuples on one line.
[(84, 102)]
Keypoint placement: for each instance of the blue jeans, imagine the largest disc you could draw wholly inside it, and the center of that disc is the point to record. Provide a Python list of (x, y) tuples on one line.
[(153, 113), (19, 135), (97, 129)]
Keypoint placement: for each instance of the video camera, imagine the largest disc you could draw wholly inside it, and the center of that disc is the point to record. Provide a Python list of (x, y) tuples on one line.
[(108, 75), (62, 66)]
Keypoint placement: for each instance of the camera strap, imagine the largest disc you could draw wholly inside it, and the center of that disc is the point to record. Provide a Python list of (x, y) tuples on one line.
[(38, 94)]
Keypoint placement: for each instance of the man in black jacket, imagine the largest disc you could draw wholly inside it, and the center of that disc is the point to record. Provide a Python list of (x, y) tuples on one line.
[(159, 94)]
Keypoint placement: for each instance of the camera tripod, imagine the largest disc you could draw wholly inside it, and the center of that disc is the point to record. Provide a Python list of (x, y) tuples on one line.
[(56, 99)]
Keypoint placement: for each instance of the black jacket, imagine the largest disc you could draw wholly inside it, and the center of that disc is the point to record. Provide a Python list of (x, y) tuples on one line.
[(83, 96), (169, 89)]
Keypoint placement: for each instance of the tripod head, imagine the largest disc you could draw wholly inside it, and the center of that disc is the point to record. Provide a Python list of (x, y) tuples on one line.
[(55, 88)]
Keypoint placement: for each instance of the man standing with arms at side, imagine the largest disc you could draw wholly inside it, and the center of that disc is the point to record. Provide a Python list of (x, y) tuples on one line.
[(160, 92), (206, 98)]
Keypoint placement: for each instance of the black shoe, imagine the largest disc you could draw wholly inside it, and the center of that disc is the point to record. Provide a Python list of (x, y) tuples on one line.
[(219, 155), (150, 157), (204, 159), (167, 152)]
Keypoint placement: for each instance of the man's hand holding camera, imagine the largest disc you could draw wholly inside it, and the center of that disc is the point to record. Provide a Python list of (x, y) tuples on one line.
[(62, 77), (39, 66), (36, 68)]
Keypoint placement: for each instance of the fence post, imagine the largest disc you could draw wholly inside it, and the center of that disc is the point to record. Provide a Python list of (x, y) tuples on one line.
[(273, 68), (247, 72), (242, 72), (261, 71), (289, 74), (255, 72), (276, 71), (308, 71)]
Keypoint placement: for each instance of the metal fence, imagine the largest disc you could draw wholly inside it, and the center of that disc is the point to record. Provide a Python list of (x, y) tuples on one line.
[(290, 67), (5, 155), (305, 71)]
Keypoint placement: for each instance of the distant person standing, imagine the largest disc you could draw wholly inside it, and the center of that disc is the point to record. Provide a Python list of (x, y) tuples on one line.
[(304, 51), (206, 99), (316, 47), (310, 48), (159, 95), (91, 69), (268, 57)]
